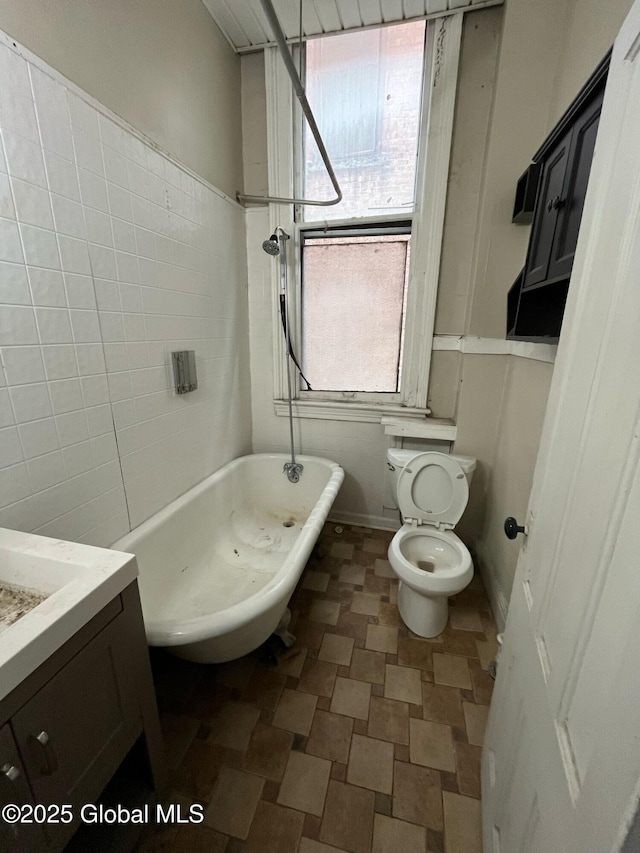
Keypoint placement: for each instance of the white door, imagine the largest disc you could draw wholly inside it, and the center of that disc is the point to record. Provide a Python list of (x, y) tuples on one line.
[(561, 763)]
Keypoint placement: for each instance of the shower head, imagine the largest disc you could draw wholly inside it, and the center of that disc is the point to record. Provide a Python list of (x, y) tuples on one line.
[(271, 246)]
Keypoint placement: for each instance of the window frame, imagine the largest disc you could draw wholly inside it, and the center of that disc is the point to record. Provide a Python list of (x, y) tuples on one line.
[(284, 144)]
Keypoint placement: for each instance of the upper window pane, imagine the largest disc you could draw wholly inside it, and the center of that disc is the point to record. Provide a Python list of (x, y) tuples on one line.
[(365, 90)]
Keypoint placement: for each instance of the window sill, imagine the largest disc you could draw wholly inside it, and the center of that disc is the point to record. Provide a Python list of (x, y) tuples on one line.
[(330, 410)]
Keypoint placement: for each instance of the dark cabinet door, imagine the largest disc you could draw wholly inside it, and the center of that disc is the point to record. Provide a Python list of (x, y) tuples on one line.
[(546, 214), (14, 789), (73, 732), (583, 141)]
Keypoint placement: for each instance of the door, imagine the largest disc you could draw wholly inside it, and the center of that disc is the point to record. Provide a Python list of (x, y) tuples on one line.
[(561, 762), (574, 191), (546, 215)]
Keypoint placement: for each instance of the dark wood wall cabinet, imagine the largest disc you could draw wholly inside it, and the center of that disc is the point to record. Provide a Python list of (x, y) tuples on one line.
[(560, 173)]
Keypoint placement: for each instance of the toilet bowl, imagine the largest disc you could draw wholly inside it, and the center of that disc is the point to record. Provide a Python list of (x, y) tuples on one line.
[(430, 561)]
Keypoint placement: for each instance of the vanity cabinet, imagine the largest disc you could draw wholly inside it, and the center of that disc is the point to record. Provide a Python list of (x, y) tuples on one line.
[(77, 719), (536, 300)]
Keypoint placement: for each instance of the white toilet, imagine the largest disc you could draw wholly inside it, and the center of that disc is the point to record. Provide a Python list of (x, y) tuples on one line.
[(431, 490)]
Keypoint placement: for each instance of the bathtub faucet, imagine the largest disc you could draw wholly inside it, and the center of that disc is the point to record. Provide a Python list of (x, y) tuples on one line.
[(293, 471)]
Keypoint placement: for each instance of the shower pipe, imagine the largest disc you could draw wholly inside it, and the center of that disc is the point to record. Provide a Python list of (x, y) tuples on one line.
[(278, 246), (285, 53)]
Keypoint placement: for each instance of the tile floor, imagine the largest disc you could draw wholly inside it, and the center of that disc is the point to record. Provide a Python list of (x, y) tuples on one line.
[(364, 738)]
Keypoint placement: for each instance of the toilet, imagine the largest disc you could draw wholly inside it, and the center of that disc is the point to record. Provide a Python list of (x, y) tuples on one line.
[(431, 490)]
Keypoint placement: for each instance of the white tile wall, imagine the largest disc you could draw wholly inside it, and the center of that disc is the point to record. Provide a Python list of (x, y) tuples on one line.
[(111, 256)]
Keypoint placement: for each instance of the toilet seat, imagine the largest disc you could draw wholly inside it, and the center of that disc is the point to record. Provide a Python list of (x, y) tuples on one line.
[(433, 490)]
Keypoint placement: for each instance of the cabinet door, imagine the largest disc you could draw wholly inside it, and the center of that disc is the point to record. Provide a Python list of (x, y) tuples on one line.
[(546, 213), (583, 143), (14, 789), (75, 731)]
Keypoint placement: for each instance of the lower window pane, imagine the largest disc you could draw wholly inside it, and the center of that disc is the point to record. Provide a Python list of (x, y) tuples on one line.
[(353, 295)]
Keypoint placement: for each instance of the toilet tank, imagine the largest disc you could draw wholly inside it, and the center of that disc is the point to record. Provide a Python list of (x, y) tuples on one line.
[(397, 459)]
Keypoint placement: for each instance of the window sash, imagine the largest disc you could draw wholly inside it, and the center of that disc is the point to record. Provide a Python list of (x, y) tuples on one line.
[(284, 134)]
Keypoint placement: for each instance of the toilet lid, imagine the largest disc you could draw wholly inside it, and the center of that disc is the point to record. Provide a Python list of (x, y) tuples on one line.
[(432, 489)]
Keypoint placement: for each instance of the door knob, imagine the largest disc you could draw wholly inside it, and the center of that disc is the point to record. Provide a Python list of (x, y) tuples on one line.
[(512, 528)]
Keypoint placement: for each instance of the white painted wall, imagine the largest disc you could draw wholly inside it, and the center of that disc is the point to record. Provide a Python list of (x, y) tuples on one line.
[(112, 256)]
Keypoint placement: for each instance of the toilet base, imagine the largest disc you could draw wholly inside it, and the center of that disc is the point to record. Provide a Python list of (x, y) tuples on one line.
[(425, 616)]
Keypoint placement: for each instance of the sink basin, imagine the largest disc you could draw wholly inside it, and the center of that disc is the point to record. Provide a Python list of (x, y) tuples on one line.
[(53, 588)]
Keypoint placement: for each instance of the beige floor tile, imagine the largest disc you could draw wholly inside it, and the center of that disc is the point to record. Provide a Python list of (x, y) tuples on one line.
[(403, 683), (476, 721), (234, 724), (348, 818), (317, 581), (295, 711), (342, 550), (351, 698), (389, 615), (268, 751), (416, 653), (390, 834), (465, 619), (336, 649), (305, 783), (330, 736), (265, 688), (462, 823), (388, 720), (199, 769), (431, 745), (393, 592), (327, 612), (318, 677), (366, 603), (292, 665), (352, 573), (198, 839), (367, 666), (451, 670), (307, 845), (374, 546), (459, 643), (468, 759), (383, 569), (234, 802), (417, 796), (382, 638), (274, 828), (487, 652), (442, 704), (371, 764)]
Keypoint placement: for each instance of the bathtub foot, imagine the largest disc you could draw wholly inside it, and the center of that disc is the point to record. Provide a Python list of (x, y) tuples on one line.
[(282, 630)]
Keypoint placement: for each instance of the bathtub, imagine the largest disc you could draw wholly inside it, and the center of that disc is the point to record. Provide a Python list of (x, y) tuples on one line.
[(219, 564)]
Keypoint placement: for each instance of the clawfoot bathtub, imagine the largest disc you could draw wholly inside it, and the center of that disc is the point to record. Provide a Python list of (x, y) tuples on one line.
[(219, 564)]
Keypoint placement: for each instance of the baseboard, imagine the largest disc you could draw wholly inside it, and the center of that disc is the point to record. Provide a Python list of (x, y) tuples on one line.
[(497, 599), (377, 522)]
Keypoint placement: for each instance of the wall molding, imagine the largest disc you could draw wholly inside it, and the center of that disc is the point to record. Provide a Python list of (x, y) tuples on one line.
[(376, 522), (471, 345), (497, 599)]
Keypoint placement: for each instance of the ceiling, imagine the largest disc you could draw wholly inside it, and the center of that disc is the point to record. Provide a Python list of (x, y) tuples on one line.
[(244, 24)]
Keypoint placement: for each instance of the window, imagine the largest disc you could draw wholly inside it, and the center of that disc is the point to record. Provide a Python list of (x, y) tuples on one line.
[(364, 273), (353, 303)]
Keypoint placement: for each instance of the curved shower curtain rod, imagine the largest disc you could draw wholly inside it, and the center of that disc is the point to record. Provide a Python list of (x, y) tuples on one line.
[(285, 53)]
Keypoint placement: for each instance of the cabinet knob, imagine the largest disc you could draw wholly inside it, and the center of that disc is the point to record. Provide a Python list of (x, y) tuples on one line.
[(49, 755), (555, 204), (512, 528), (10, 771)]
